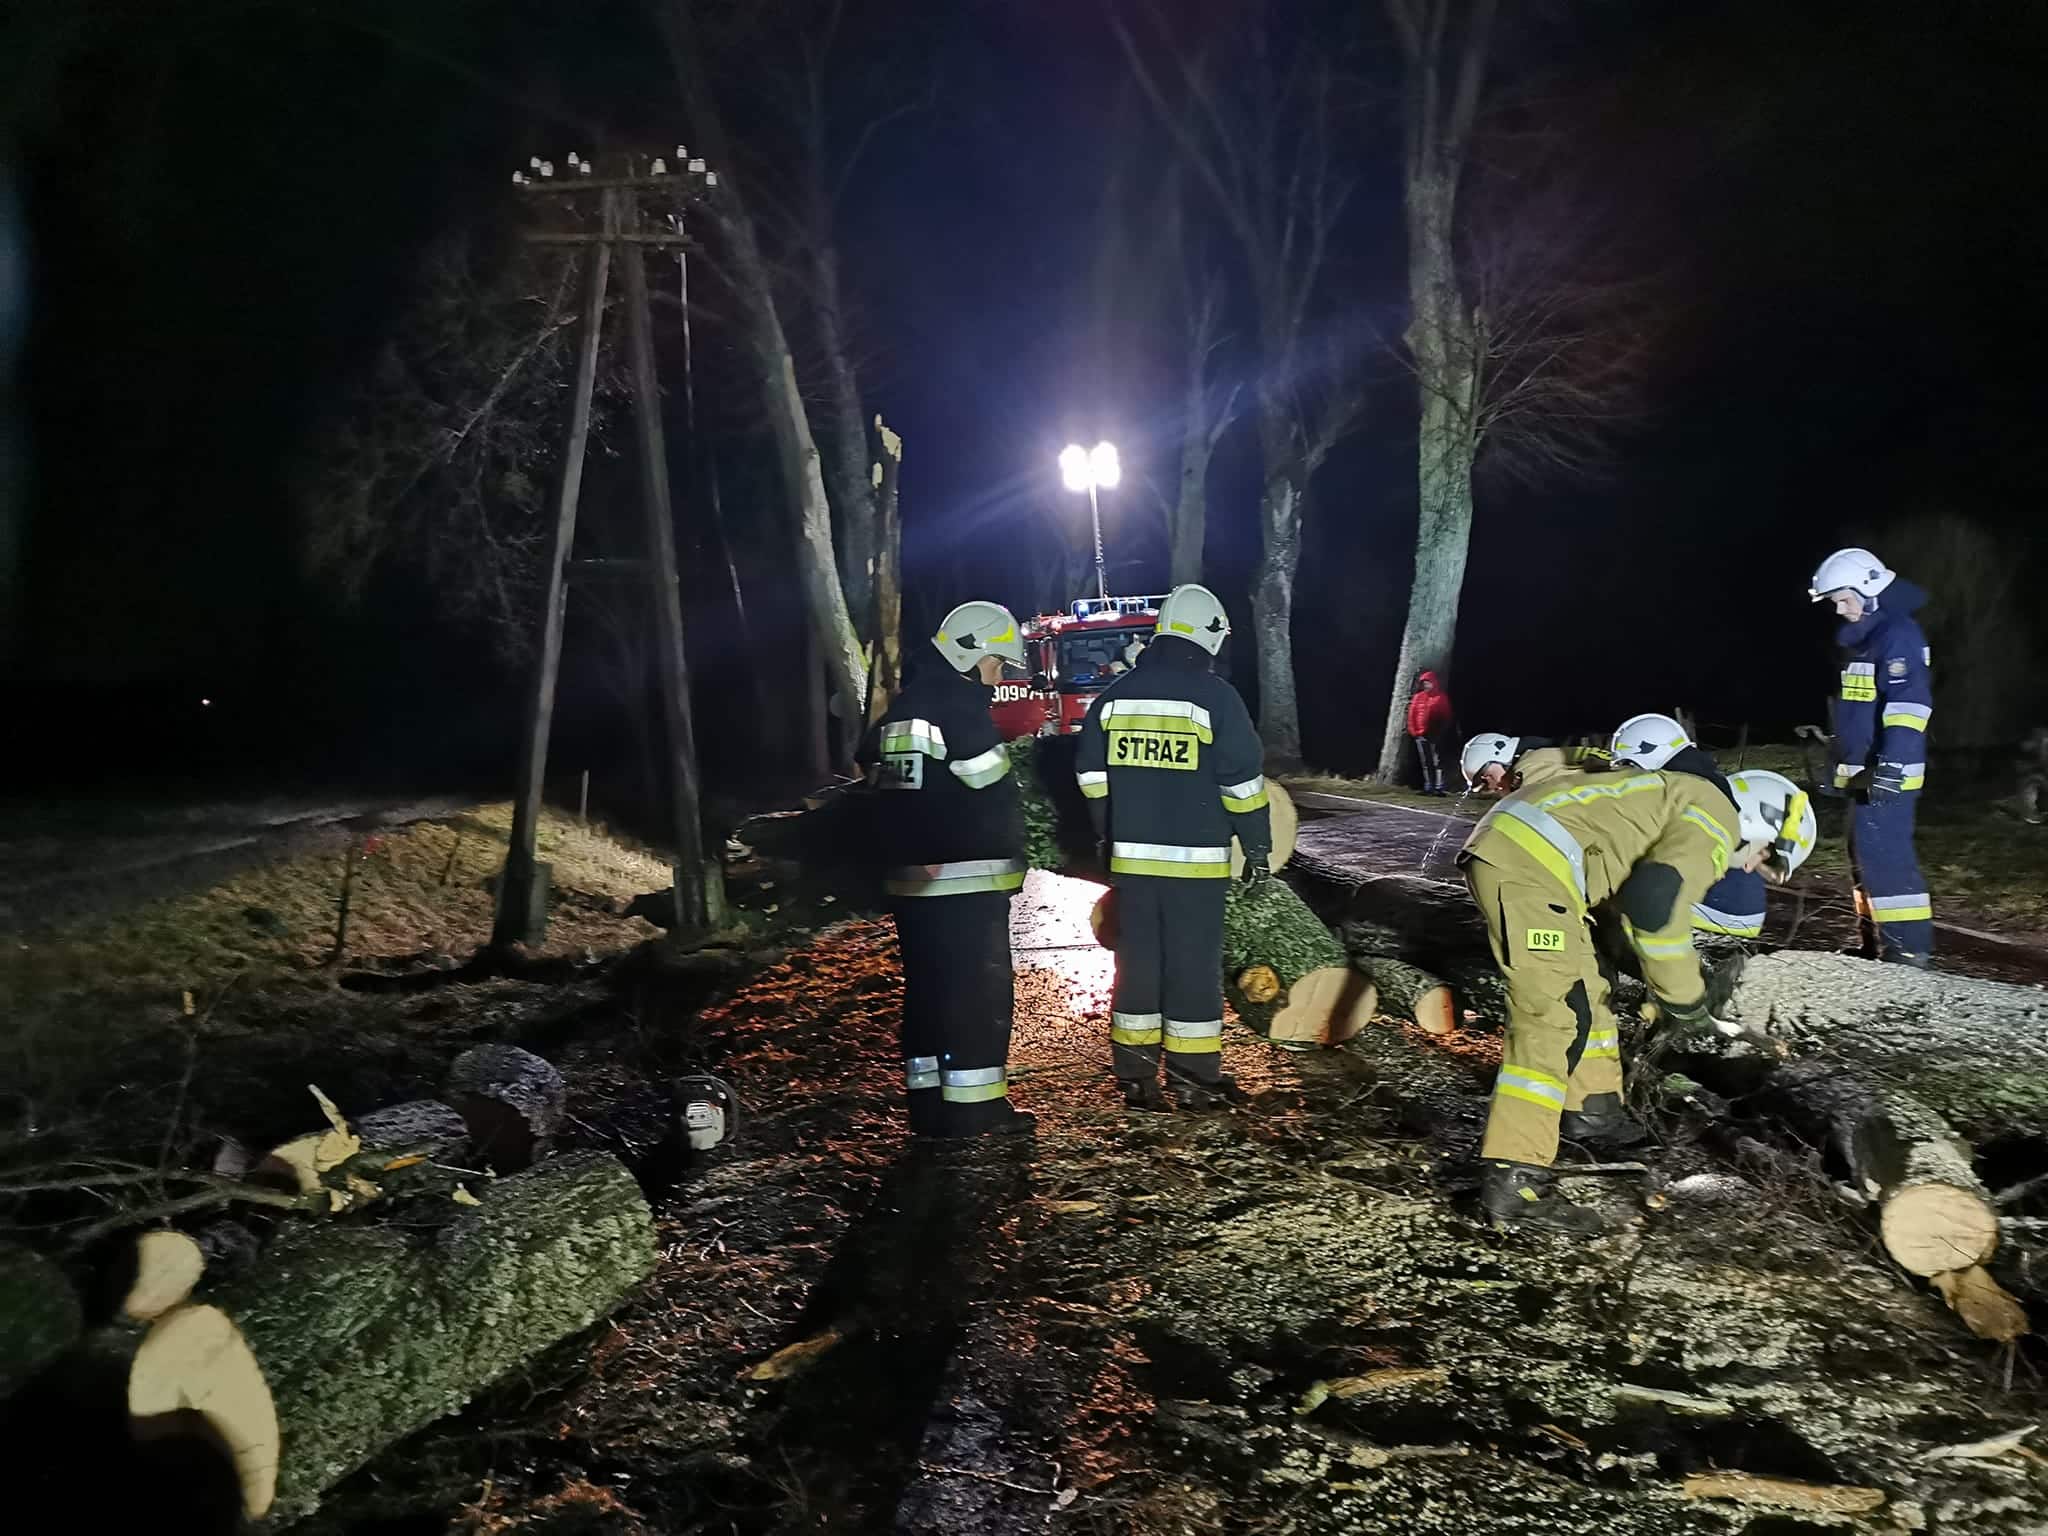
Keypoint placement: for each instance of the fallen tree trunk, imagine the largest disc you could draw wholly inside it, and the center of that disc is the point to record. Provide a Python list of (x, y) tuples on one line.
[(1285, 975), (1934, 1214), (363, 1333), (1975, 1053)]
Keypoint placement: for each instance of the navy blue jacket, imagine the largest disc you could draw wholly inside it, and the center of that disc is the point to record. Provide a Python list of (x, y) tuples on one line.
[(1887, 693)]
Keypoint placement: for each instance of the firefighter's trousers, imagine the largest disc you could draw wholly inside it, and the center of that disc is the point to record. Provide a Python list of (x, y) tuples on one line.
[(1429, 752), (1562, 1045), (1891, 893), (957, 999), (1169, 977)]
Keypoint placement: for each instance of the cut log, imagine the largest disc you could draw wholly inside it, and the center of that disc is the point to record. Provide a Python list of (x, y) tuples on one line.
[(511, 1101), (364, 1332), (1320, 1000), (1409, 992), (1974, 1052), (1934, 1213), (159, 1270), (40, 1316)]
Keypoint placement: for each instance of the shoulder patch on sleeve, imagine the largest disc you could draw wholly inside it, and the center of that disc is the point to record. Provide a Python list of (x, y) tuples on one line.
[(1896, 667)]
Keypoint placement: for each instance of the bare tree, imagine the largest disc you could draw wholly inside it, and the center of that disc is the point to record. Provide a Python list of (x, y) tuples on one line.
[(441, 456), (746, 268), (1255, 120), (1528, 330)]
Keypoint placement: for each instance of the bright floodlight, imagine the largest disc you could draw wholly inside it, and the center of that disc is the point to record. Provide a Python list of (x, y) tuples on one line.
[(1074, 467), (1103, 467)]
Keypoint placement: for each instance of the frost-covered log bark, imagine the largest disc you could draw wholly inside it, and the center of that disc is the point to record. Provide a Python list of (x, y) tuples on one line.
[(1974, 1052), (365, 1332)]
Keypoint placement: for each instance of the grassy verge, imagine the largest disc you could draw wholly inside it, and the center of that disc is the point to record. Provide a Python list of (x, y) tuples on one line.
[(97, 1006)]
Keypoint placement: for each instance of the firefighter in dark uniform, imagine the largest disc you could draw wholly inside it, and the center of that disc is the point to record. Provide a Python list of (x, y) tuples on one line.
[(1172, 769), (1881, 744), (952, 832)]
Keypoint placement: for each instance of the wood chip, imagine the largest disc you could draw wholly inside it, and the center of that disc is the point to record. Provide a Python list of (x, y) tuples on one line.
[(397, 1163), (1783, 1493), (1388, 1379), (794, 1358), (1073, 1207), (1677, 1402), (461, 1196), (1981, 1450)]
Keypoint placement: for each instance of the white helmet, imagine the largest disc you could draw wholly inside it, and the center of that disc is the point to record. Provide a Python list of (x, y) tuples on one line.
[(1774, 810), (1649, 741), (1488, 747), (1193, 613), (975, 630), (1857, 569)]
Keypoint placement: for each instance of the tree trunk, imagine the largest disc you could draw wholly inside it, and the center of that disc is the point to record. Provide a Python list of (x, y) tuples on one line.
[(854, 494), (746, 270), (1187, 521), (888, 585), (365, 1333), (1409, 992), (1441, 340), (1273, 608)]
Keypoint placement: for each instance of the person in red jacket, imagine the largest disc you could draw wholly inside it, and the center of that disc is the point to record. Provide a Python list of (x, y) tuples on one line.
[(1429, 717)]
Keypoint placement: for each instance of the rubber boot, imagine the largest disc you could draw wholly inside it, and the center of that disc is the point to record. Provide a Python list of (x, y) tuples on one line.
[(992, 1117), (1602, 1122), (1143, 1094), (1517, 1195), (1219, 1092)]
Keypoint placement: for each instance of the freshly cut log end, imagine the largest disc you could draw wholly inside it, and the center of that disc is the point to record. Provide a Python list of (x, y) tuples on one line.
[(512, 1102), (1328, 1006), (165, 1266), (1409, 992), (40, 1316), (194, 1367), (1934, 1228), (1102, 919), (1286, 823), (1268, 925)]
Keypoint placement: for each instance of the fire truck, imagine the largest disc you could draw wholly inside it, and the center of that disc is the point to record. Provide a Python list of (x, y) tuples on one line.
[(1073, 657)]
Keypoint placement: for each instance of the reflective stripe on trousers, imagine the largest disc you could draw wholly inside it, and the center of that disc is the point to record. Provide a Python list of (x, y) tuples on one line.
[(974, 1085), (959, 878), (920, 1072)]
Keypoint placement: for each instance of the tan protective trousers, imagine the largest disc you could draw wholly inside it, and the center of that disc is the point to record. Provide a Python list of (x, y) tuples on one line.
[(1562, 1045)]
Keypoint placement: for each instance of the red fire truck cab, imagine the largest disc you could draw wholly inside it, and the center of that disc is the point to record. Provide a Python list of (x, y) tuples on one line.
[(1073, 657)]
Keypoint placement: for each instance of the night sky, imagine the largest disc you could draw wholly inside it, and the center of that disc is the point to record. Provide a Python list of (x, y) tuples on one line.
[(220, 209)]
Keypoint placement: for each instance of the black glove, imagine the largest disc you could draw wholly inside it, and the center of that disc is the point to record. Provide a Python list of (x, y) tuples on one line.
[(1887, 782), (1256, 871)]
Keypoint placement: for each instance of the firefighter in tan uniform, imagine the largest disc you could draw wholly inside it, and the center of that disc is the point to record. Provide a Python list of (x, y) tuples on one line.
[(1644, 847)]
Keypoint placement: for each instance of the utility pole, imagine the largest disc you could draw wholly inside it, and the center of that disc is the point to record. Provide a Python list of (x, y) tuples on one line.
[(611, 203)]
